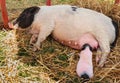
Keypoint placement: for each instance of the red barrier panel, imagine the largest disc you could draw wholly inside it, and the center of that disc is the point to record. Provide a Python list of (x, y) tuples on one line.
[(48, 2), (4, 12), (117, 1)]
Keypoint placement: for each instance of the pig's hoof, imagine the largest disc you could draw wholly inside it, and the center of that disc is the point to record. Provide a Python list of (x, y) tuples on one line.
[(32, 42), (101, 64), (36, 48)]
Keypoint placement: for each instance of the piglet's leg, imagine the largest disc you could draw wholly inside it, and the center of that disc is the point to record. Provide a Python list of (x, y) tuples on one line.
[(85, 66)]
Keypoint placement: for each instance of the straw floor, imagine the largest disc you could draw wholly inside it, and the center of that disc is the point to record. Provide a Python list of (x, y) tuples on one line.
[(53, 63)]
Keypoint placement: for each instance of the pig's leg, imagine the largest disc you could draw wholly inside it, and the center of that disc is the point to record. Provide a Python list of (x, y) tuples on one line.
[(105, 49), (35, 32), (45, 30), (98, 55), (33, 39)]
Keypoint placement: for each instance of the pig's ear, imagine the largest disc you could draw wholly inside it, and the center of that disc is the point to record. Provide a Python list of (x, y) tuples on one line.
[(27, 17)]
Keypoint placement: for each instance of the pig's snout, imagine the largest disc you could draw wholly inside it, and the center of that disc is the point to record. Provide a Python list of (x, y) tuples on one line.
[(12, 26)]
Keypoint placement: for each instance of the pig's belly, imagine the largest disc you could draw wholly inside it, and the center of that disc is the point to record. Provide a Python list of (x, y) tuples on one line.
[(66, 36), (73, 37), (68, 42)]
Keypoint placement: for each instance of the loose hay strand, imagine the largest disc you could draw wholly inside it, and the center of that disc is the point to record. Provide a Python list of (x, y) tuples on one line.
[(110, 69)]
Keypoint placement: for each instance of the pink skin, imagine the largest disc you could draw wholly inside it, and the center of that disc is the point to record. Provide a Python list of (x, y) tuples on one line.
[(85, 63), (10, 25), (89, 39)]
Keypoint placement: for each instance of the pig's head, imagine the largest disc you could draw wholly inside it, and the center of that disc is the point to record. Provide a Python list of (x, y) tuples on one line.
[(25, 19)]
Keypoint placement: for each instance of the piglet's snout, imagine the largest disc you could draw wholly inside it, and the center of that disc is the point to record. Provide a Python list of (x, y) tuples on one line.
[(85, 66)]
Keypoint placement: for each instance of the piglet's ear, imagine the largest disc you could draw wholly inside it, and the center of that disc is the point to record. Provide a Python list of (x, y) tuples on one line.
[(27, 17)]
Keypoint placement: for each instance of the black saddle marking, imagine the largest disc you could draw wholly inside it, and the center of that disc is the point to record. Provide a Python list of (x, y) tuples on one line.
[(116, 33)]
